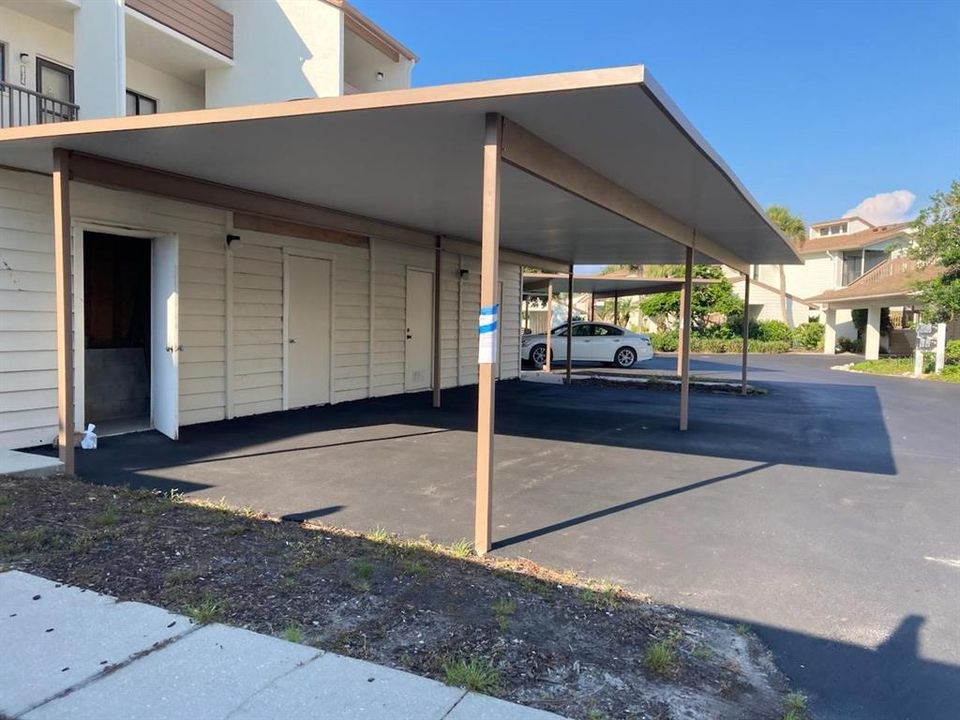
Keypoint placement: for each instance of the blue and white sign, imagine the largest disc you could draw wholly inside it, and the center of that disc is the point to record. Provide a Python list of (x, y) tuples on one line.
[(487, 327)]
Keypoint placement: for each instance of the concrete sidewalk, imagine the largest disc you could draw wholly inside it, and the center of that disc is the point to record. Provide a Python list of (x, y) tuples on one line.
[(72, 653)]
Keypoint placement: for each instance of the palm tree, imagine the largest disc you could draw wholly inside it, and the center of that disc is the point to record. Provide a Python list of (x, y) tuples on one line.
[(794, 229)]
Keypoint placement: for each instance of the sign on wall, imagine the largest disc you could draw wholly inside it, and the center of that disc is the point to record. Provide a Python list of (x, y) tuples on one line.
[(926, 337)]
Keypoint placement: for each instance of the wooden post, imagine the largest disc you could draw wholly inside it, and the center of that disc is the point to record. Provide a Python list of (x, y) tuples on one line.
[(549, 359), (489, 263), (680, 339), (64, 303), (437, 255), (569, 324), (746, 334), (616, 308), (686, 302), (593, 305)]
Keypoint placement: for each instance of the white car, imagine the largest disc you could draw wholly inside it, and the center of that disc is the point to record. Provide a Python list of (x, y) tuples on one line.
[(590, 342)]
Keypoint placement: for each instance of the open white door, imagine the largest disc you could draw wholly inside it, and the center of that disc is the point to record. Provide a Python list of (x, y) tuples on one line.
[(418, 358), (165, 338)]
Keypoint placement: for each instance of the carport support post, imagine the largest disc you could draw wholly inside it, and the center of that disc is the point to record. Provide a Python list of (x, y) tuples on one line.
[(681, 344), (549, 356), (64, 302), (437, 255), (746, 334), (569, 323), (686, 303), (616, 308), (489, 263), (593, 305), (830, 331)]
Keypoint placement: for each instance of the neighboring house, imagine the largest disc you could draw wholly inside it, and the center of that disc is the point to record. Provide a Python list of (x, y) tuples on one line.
[(194, 312), (888, 284), (835, 254)]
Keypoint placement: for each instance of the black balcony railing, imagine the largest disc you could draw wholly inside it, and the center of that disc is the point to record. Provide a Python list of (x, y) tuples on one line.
[(20, 106)]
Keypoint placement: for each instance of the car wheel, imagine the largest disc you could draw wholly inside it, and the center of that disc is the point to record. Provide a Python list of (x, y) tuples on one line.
[(625, 357), (538, 356)]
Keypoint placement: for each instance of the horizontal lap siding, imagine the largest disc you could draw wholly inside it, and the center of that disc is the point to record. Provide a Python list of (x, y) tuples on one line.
[(257, 328), (258, 320), (449, 319), (28, 340), (510, 322), (390, 264), (28, 414)]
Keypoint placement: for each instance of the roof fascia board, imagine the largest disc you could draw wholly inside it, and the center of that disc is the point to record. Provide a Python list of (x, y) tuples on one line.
[(406, 97), (534, 155)]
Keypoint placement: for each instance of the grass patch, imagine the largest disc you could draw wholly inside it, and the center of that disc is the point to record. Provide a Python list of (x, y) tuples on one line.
[(795, 705), (34, 540), (461, 549), (206, 611), (379, 535), (503, 610), (743, 629), (660, 658), (604, 595), (107, 518), (362, 572), (293, 633), (414, 567), (904, 366), (702, 652), (475, 674)]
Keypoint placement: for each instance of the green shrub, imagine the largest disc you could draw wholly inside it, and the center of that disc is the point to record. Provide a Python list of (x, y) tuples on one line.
[(808, 336), (664, 341), (952, 352), (773, 330)]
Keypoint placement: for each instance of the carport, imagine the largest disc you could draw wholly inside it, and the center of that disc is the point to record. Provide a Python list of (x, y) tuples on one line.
[(615, 287), (586, 167)]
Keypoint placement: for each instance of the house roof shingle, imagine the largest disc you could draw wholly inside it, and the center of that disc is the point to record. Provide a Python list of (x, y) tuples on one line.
[(852, 241)]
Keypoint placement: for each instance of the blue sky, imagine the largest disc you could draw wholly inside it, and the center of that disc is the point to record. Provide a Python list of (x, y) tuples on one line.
[(815, 105)]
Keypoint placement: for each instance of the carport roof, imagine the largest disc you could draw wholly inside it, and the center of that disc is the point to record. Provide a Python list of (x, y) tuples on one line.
[(603, 286), (413, 158)]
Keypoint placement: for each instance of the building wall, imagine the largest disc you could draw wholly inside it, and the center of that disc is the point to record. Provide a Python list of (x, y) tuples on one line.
[(172, 93), (283, 50), (230, 308), (24, 34)]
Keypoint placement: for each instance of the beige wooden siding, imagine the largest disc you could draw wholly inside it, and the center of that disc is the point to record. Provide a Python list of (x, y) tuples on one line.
[(510, 322), (449, 319), (257, 327), (28, 362), (390, 292), (258, 320), (199, 20)]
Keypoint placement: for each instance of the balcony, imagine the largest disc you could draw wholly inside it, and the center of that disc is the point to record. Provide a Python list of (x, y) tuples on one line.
[(20, 106)]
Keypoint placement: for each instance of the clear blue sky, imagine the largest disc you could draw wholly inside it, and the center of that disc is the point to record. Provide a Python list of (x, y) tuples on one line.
[(815, 105)]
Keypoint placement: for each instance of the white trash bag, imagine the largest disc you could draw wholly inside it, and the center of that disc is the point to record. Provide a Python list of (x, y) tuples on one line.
[(89, 439)]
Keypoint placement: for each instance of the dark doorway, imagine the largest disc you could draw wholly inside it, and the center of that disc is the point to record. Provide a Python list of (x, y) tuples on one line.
[(116, 307)]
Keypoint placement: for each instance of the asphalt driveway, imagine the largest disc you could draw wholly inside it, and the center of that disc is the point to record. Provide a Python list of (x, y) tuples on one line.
[(824, 514)]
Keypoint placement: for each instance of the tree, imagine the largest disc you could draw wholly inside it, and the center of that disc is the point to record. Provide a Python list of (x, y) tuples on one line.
[(716, 298), (793, 227), (937, 242)]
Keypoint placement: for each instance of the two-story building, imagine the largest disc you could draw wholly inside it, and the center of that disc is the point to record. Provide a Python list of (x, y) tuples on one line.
[(835, 254), (174, 324)]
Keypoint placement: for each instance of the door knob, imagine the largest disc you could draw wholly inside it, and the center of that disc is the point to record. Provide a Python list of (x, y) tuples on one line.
[(292, 340)]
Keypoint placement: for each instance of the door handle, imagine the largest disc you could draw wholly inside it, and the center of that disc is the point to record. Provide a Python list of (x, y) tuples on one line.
[(292, 341)]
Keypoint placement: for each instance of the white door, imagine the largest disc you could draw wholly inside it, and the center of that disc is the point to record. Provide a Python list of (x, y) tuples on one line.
[(165, 338), (419, 342), (308, 331)]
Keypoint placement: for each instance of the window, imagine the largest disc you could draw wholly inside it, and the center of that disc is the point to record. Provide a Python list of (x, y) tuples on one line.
[(606, 331), (851, 268), (872, 258), (139, 104), (581, 331)]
